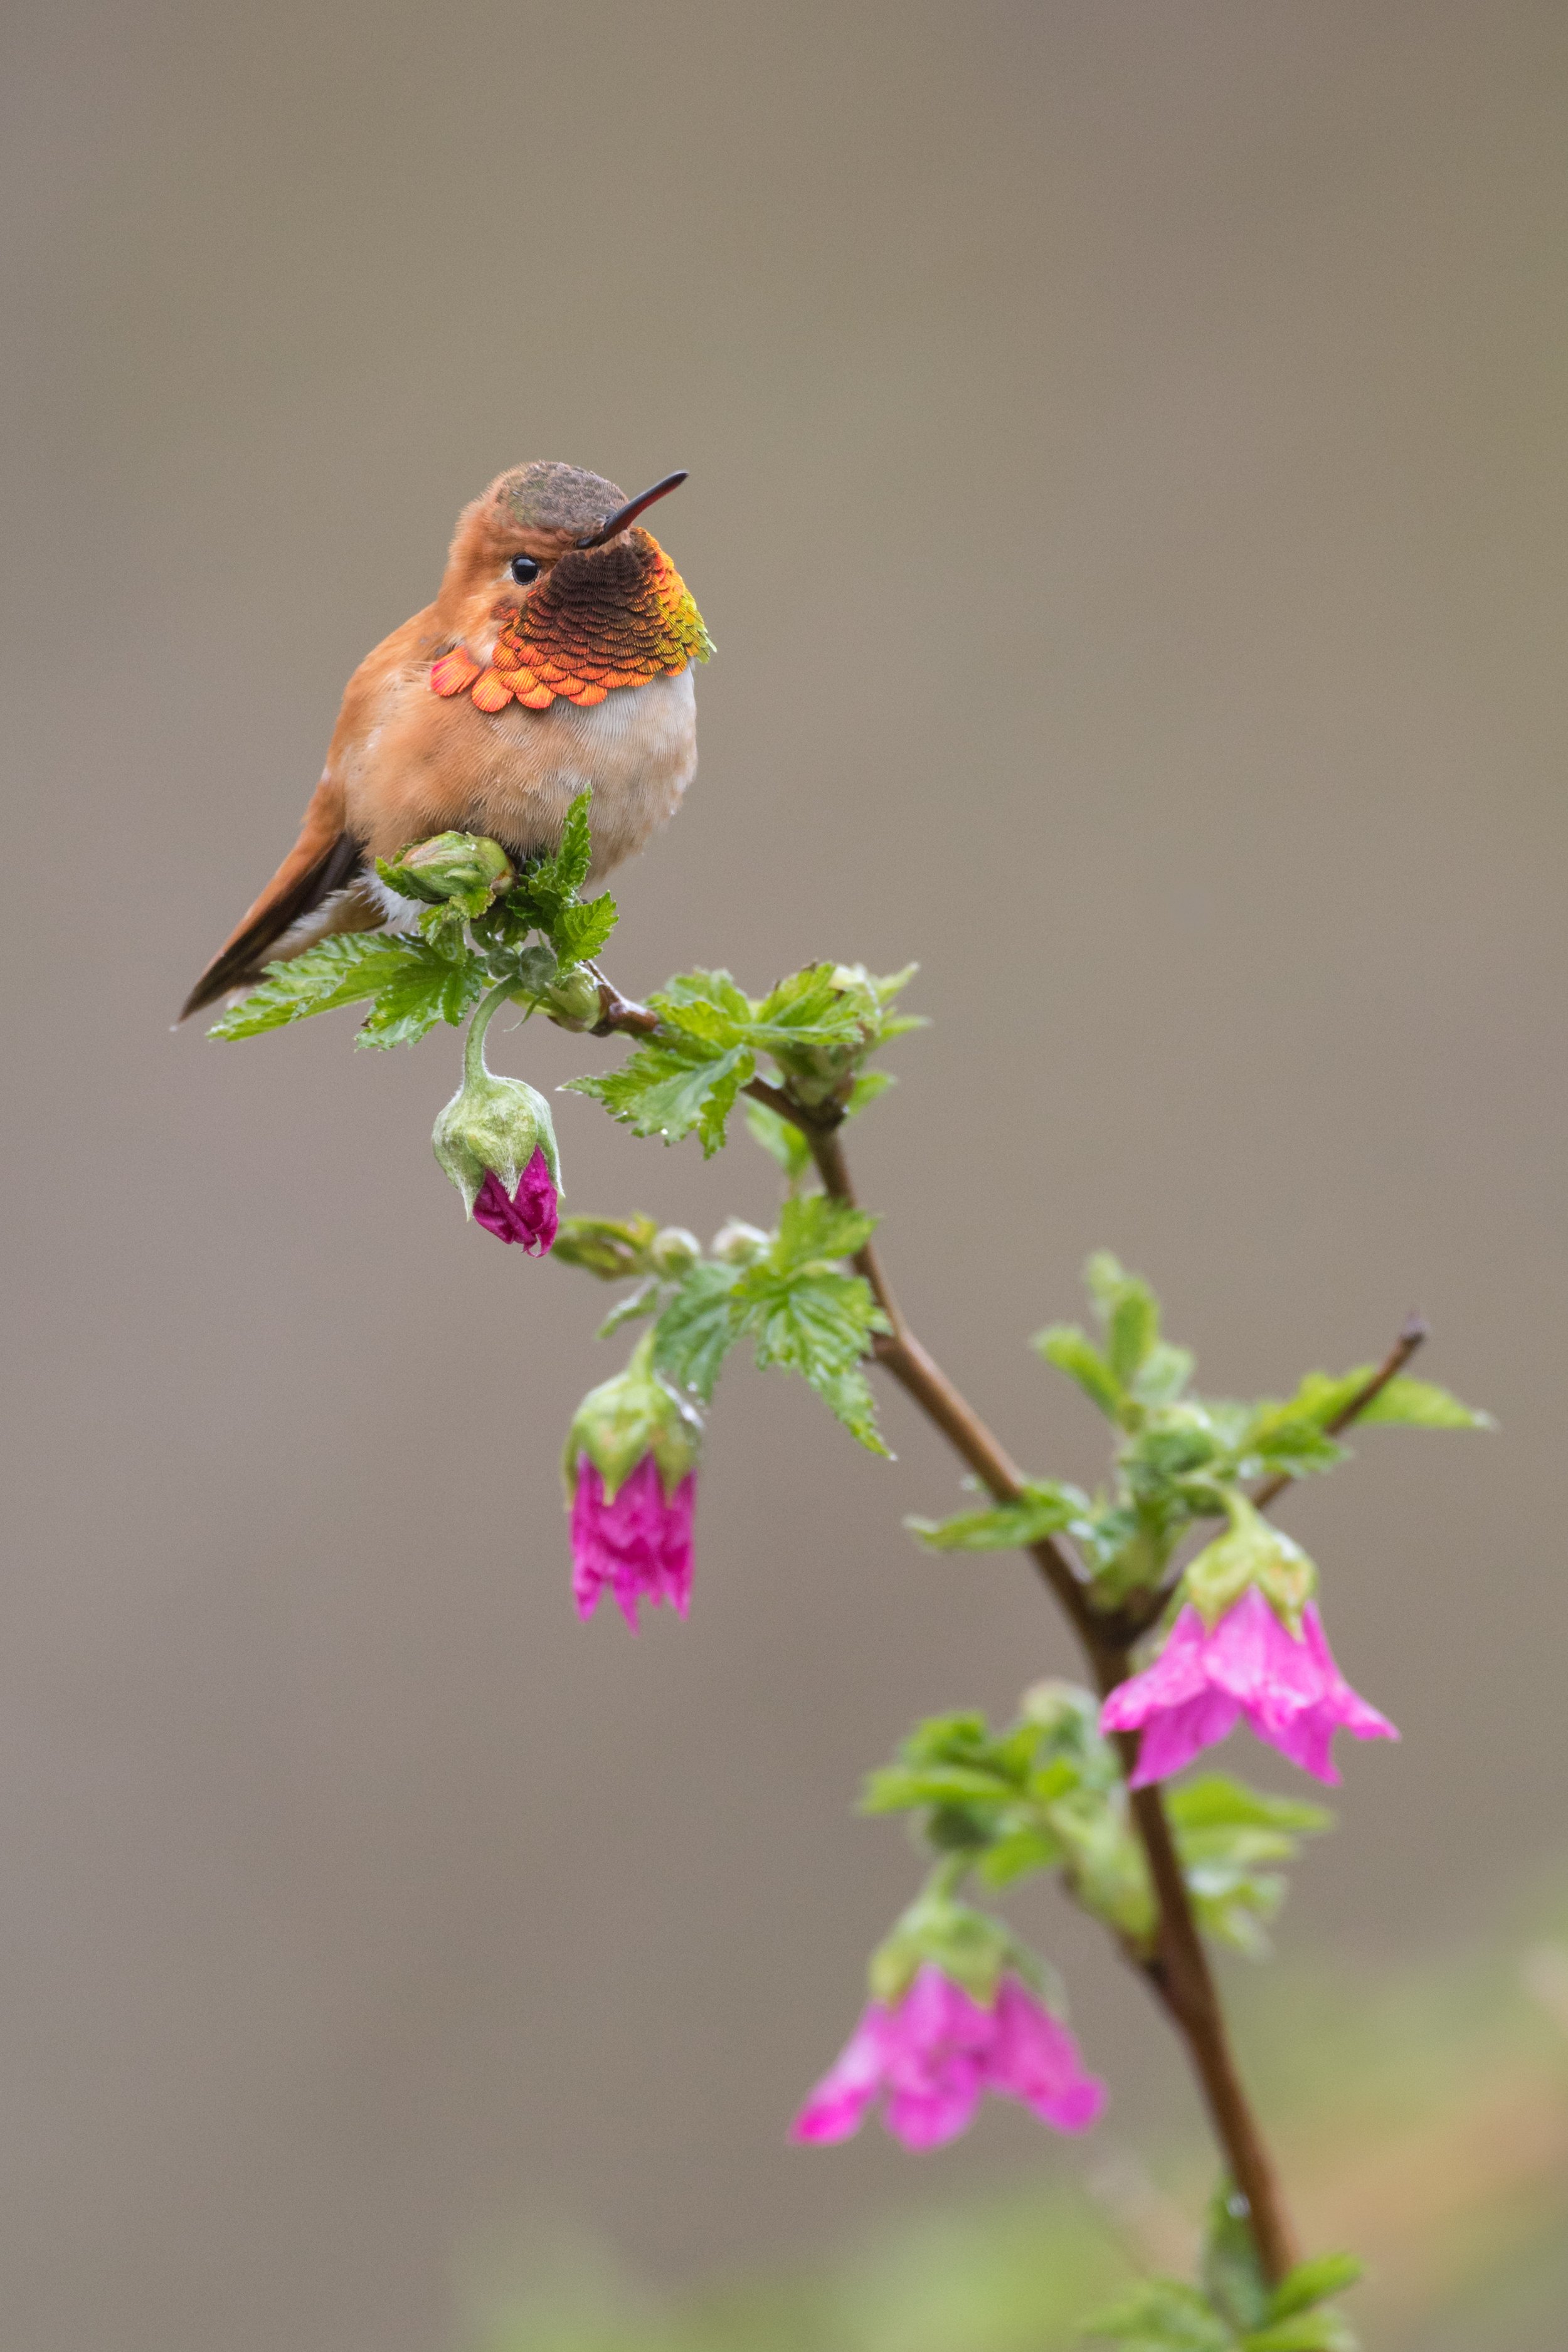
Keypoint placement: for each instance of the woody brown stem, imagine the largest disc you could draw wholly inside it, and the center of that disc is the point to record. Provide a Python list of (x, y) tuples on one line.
[(1177, 1972)]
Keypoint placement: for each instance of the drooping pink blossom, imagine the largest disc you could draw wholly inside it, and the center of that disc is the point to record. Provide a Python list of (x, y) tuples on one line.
[(638, 1543), (936, 2051), (529, 1215), (1290, 1689)]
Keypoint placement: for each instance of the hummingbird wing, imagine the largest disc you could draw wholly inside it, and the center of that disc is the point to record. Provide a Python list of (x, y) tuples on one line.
[(325, 859)]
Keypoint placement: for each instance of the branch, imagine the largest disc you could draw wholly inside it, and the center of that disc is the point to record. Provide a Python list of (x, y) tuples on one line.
[(1179, 1971), (1416, 1330)]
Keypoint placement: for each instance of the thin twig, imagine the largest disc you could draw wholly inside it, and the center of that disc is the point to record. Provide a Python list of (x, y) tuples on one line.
[(1415, 1330)]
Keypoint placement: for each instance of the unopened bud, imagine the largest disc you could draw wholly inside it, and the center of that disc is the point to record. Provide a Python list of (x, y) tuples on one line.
[(738, 1244), (675, 1252), (496, 1142), (573, 1002), (465, 866)]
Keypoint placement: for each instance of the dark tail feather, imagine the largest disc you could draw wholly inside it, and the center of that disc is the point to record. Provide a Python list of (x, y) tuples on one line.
[(241, 961)]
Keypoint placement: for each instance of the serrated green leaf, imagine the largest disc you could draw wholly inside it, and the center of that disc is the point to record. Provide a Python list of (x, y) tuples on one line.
[(820, 1326), (697, 1329), (816, 1231), (432, 983), (668, 1088), (901, 1789), (579, 931), (341, 969), (705, 1005), (569, 866), (1043, 1510), (1312, 2282), (1073, 1351)]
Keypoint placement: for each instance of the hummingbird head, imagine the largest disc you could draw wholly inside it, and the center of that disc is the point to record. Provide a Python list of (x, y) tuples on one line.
[(513, 536)]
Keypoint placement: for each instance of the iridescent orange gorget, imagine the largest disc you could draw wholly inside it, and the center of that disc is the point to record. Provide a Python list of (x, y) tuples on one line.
[(618, 616)]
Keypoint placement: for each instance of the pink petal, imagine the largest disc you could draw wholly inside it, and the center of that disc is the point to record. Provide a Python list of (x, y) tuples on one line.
[(638, 1544), (1036, 2059), (836, 2107), (529, 1215), (1170, 1741), (1176, 1675)]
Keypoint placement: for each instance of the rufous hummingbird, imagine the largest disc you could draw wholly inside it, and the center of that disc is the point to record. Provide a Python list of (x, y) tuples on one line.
[(555, 660)]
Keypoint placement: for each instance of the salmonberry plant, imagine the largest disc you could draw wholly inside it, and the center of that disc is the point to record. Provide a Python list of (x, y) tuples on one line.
[(1193, 1612)]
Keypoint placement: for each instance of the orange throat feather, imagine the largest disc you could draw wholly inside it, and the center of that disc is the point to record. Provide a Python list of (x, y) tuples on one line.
[(616, 616)]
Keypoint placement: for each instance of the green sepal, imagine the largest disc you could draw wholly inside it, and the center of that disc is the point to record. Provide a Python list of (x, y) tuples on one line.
[(628, 1417), (969, 1946), (1249, 1552)]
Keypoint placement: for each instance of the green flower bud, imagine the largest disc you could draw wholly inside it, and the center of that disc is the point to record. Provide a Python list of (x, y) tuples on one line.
[(738, 1244), (615, 1248), (464, 866), (1249, 1552), (675, 1252), (573, 1002), (625, 1419)]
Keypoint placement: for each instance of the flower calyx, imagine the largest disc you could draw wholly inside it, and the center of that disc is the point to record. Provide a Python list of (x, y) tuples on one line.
[(1250, 1553), (629, 1418)]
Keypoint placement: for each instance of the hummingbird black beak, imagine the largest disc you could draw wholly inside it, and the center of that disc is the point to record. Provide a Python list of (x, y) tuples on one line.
[(630, 511)]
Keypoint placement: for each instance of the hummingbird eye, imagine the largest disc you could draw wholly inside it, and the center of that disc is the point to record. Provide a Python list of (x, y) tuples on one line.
[(523, 570)]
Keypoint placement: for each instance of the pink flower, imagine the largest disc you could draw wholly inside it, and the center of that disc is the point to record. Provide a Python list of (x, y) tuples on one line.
[(936, 2051), (638, 1542), (1288, 1688), (529, 1215)]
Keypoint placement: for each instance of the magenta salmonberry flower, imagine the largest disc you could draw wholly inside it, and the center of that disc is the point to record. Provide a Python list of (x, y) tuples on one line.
[(496, 1142), (931, 2055), (1249, 1642), (631, 1476), (530, 1215)]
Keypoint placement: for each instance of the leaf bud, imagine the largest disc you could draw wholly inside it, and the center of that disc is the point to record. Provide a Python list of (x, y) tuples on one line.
[(738, 1244), (675, 1252), (573, 1001), (465, 866)]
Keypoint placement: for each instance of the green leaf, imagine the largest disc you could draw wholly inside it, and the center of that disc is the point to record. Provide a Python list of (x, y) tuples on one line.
[(568, 869), (1231, 2267), (705, 1005), (902, 1789), (1014, 1854), (668, 1088), (579, 931), (430, 984), (1043, 1509), (1308, 2331), (697, 1329), (815, 1231), (1420, 1404), (1129, 1311), (1216, 1801), (1313, 2282), (820, 1326), (337, 971), (1163, 2315), (867, 1089), (1073, 1351)]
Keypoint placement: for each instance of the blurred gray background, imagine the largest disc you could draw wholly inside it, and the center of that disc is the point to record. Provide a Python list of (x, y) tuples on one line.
[(1127, 492)]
